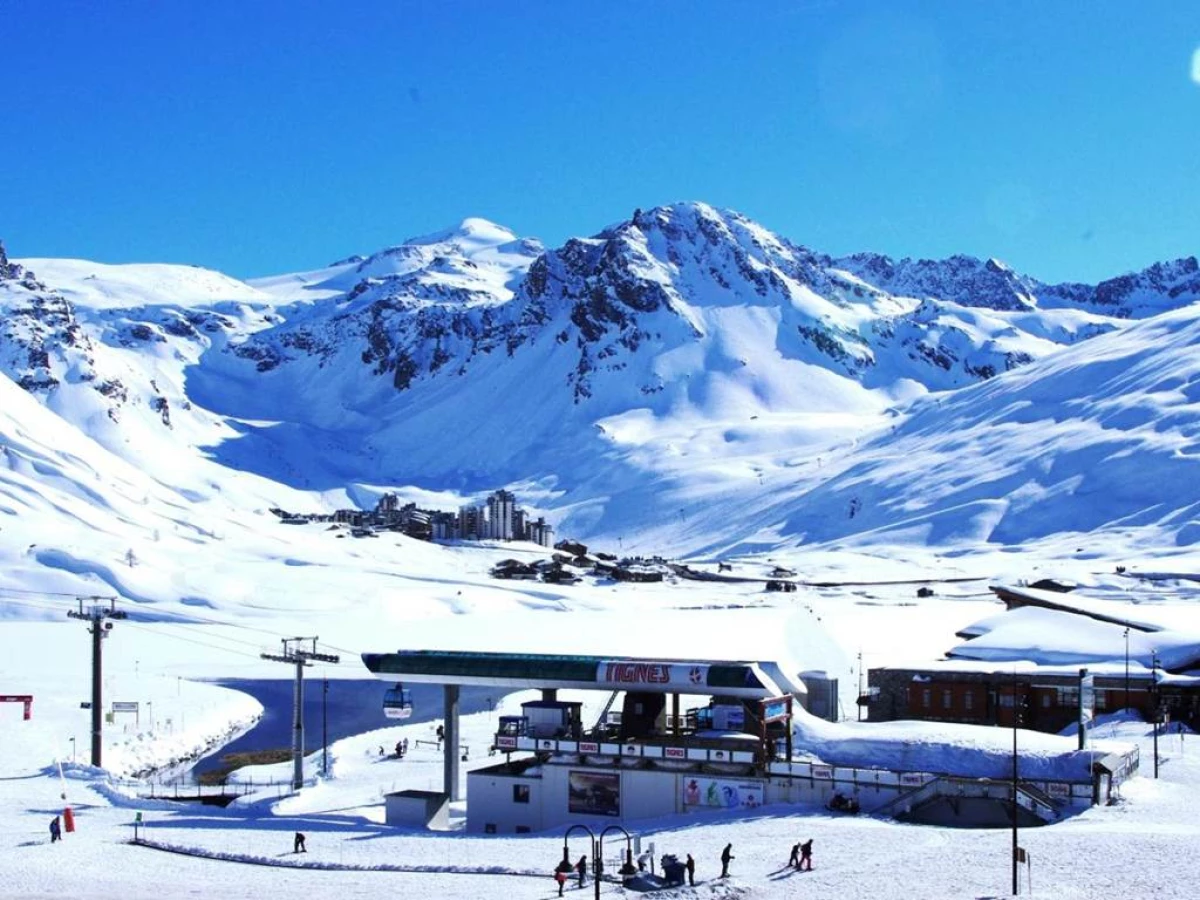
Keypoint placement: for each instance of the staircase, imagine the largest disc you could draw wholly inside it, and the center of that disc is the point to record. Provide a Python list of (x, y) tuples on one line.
[(1043, 808), (612, 698)]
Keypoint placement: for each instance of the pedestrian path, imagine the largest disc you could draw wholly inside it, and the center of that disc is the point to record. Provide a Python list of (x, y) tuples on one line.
[(288, 861)]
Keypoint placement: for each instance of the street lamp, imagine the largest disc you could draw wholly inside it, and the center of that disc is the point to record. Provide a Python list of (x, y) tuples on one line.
[(1157, 709), (1016, 718), (626, 870), (325, 729), (72, 748), (565, 865), (1127, 668)]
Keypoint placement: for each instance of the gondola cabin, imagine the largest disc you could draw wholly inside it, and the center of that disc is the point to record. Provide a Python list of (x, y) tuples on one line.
[(397, 702)]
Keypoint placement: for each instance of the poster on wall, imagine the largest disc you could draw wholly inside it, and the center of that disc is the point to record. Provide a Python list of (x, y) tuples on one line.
[(722, 793), (594, 793)]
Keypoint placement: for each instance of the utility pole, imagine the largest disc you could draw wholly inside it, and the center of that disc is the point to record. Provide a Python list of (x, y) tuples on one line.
[(1017, 706), (96, 615), (1157, 707), (299, 657), (860, 686), (325, 727), (1127, 668)]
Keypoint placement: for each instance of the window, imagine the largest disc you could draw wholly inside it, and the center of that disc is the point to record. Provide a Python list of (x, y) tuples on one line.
[(947, 698), (926, 697), (489, 828), (520, 793), (969, 700), (1045, 701), (1068, 696), (523, 829)]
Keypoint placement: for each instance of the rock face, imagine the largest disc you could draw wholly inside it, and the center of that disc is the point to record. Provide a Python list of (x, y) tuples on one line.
[(436, 307), (41, 339)]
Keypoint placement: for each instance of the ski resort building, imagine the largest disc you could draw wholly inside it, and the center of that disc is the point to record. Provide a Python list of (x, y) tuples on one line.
[(1004, 665), (678, 735)]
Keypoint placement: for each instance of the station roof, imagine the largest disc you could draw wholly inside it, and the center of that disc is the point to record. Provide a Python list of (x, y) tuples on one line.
[(746, 652), (545, 670)]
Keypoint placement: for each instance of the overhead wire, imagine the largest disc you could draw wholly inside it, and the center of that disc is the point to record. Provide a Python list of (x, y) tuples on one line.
[(189, 640)]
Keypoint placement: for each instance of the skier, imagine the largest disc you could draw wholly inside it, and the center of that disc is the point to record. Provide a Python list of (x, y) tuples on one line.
[(794, 859), (690, 865), (298, 844), (805, 855), (55, 830), (726, 856), (561, 877), (581, 868)]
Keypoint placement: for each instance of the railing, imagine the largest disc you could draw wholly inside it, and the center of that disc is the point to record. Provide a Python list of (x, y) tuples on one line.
[(154, 790), (671, 752)]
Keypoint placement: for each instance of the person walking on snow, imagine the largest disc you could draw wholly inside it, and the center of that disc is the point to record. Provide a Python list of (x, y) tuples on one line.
[(805, 855), (690, 865), (794, 858), (581, 868), (726, 856), (298, 844), (561, 877), (55, 830)]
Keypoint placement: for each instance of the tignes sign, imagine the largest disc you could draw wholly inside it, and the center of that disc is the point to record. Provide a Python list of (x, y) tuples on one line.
[(658, 674)]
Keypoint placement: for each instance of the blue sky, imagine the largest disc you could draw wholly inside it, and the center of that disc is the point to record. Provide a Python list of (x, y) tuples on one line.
[(263, 137)]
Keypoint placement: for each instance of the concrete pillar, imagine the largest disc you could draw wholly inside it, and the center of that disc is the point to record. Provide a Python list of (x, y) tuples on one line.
[(450, 749)]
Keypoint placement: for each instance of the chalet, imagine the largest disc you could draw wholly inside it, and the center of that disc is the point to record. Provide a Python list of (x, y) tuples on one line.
[(514, 568), (989, 676)]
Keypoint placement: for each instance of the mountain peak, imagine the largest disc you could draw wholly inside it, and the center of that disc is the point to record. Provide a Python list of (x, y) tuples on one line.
[(472, 231)]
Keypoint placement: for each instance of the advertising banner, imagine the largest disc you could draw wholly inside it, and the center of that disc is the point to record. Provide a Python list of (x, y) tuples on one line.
[(721, 793), (776, 709), (594, 793), (124, 706)]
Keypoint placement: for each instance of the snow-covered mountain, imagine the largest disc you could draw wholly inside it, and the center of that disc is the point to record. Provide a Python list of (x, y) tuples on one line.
[(685, 375)]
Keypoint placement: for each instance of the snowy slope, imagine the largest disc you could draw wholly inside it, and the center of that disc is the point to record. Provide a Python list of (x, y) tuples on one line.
[(682, 381), (1101, 437)]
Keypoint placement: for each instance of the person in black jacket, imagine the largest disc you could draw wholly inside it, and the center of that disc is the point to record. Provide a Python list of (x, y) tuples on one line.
[(55, 830), (726, 856), (581, 868), (805, 855), (690, 865)]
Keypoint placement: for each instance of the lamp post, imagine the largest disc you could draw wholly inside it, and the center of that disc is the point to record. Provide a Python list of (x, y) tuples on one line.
[(627, 869), (72, 748), (1127, 668), (565, 865), (1157, 709), (1016, 718), (325, 728)]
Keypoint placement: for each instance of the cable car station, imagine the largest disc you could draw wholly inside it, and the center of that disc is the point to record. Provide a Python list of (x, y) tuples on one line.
[(645, 755)]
